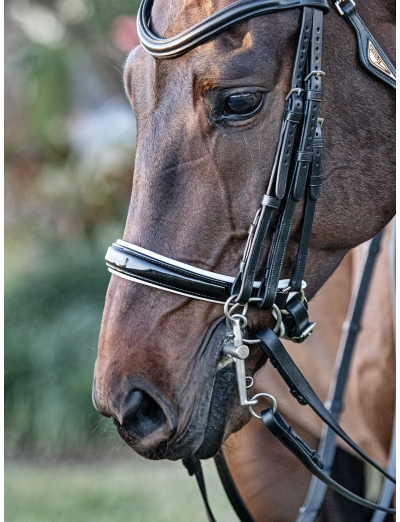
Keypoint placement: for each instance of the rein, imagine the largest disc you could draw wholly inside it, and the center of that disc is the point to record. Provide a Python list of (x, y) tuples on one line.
[(295, 176)]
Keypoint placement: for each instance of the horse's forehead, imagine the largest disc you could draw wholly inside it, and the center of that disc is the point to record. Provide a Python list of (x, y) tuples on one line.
[(170, 18), (232, 56)]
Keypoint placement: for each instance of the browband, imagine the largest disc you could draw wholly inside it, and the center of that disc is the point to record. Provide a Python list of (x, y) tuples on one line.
[(197, 34), (140, 265)]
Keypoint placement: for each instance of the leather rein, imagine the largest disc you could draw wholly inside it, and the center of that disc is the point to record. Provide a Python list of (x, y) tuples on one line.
[(295, 176)]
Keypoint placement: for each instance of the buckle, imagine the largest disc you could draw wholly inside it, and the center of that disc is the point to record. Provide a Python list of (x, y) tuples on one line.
[(316, 73), (304, 334), (337, 5), (297, 90), (295, 319)]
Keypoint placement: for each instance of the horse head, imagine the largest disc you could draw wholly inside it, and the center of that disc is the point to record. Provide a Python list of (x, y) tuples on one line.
[(208, 128)]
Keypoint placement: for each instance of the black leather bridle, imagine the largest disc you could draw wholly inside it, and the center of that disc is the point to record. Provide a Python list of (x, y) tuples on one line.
[(295, 176)]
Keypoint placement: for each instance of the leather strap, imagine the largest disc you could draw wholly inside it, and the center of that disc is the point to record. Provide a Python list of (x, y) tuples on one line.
[(197, 34), (371, 54), (303, 159), (310, 458), (296, 321), (327, 447), (231, 489), (143, 266), (244, 281), (387, 491), (278, 181), (312, 194), (193, 465), (302, 391)]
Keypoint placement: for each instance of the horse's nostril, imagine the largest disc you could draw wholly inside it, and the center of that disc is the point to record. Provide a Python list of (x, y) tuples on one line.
[(142, 415)]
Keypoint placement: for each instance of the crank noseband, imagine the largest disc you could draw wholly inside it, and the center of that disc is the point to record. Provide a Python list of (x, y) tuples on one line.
[(142, 266)]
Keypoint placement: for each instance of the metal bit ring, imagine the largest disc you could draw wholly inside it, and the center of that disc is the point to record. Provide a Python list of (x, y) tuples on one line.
[(228, 311), (240, 317), (251, 382), (270, 397), (228, 302), (278, 318)]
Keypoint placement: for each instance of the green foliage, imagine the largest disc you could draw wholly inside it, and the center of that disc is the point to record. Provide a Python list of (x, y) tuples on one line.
[(52, 315), (45, 70), (59, 201)]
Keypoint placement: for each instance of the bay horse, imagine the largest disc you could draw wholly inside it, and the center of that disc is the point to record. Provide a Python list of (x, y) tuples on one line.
[(208, 129)]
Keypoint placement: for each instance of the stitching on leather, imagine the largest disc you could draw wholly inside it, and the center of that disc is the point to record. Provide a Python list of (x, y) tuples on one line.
[(254, 255), (238, 18), (373, 70), (322, 411)]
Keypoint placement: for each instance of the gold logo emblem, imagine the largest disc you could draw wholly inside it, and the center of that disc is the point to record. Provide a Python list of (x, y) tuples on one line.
[(376, 60)]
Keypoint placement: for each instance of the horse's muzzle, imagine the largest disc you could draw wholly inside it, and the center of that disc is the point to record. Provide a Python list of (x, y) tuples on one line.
[(143, 421)]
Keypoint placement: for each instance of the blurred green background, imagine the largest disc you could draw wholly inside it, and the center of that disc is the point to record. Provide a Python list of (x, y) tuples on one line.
[(69, 155)]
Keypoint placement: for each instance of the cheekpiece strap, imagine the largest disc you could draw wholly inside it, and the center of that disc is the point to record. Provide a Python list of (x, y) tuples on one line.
[(278, 185)]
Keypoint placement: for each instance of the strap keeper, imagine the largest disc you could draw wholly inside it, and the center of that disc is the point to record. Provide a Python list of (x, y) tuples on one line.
[(302, 155), (270, 201), (315, 181), (294, 117), (318, 142), (314, 95)]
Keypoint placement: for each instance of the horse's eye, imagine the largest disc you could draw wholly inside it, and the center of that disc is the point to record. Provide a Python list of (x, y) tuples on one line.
[(243, 104)]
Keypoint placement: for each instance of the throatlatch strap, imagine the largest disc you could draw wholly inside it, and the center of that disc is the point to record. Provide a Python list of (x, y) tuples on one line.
[(309, 457), (302, 391), (327, 447), (193, 465)]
